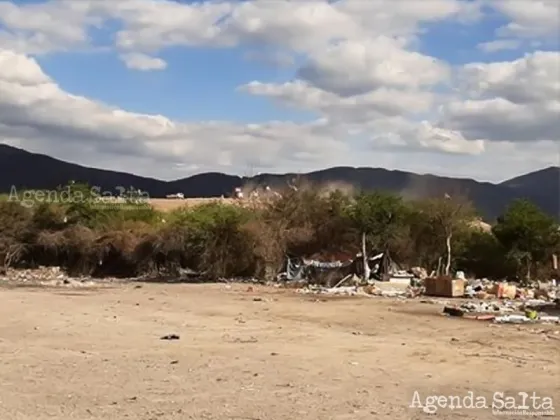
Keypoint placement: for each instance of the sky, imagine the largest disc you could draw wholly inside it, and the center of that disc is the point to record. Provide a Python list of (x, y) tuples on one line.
[(168, 89)]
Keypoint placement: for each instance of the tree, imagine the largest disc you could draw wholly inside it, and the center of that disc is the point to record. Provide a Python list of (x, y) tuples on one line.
[(528, 234), (479, 253), (378, 217), (445, 217)]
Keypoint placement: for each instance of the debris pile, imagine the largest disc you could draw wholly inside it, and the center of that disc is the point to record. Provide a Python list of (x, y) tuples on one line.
[(384, 289), (505, 311), (47, 276), (527, 319)]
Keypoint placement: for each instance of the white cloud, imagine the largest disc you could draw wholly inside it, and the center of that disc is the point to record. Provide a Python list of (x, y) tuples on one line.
[(517, 101), (499, 45), (529, 18), (143, 62), (149, 25), (532, 78), (381, 102), (355, 67)]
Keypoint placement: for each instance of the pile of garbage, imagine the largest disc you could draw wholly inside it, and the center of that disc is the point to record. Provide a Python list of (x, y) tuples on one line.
[(486, 289), (47, 276), (370, 290), (505, 303), (480, 299)]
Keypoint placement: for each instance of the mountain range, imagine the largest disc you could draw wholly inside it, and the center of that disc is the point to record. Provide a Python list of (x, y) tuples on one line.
[(26, 170)]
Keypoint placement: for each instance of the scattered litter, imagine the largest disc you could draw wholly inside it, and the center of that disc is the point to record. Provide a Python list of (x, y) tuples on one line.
[(522, 319), (52, 277), (451, 311), (170, 337)]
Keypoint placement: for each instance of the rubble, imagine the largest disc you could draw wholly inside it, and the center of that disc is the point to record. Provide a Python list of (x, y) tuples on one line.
[(49, 276), (419, 272), (383, 289), (334, 291)]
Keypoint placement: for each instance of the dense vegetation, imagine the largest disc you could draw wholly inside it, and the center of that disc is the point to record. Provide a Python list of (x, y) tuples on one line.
[(86, 237)]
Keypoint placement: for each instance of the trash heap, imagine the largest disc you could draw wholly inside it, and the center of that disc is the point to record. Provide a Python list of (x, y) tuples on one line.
[(481, 299), (505, 303), (48, 276), (505, 311)]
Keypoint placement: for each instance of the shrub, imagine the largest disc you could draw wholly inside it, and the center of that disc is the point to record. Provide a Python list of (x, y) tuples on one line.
[(209, 239), (14, 225), (71, 248)]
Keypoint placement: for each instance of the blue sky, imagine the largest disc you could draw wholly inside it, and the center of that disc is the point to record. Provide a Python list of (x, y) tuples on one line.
[(411, 71)]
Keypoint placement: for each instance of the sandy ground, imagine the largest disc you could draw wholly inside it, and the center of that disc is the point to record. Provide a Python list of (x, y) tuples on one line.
[(264, 354)]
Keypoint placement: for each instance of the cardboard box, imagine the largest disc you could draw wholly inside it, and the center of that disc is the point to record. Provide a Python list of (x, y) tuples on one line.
[(444, 287), (504, 291)]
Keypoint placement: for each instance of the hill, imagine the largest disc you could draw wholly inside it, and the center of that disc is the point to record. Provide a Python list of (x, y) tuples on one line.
[(542, 187), (26, 170)]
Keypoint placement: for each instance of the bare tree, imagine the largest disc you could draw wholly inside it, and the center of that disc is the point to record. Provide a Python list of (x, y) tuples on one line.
[(447, 215)]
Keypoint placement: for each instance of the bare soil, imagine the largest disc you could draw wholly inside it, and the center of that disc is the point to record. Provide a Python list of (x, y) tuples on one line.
[(264, 354)]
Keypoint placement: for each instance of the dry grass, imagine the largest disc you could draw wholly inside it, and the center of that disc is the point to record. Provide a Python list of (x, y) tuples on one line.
[(167, 204)]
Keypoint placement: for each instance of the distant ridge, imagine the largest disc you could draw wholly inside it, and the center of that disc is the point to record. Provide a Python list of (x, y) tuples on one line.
[(36, 171)]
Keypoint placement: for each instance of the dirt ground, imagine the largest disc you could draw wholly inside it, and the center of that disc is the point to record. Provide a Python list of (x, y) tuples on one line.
[(266, 354)]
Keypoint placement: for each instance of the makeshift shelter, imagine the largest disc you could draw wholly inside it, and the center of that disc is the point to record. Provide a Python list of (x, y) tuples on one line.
[(382, 266), (319, 272)]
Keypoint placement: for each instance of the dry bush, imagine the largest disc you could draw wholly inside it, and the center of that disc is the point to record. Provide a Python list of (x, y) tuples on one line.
[(14, 224), (228, 251), (268, 246), (72, 248), (300, 221), (209, 239), (162, 251), (115, 253), (48, 216)]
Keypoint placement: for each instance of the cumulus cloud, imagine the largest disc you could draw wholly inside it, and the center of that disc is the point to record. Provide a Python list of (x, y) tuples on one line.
[(143, 62), (529, 19), (499, 45), (517, 101), (358, 66)]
